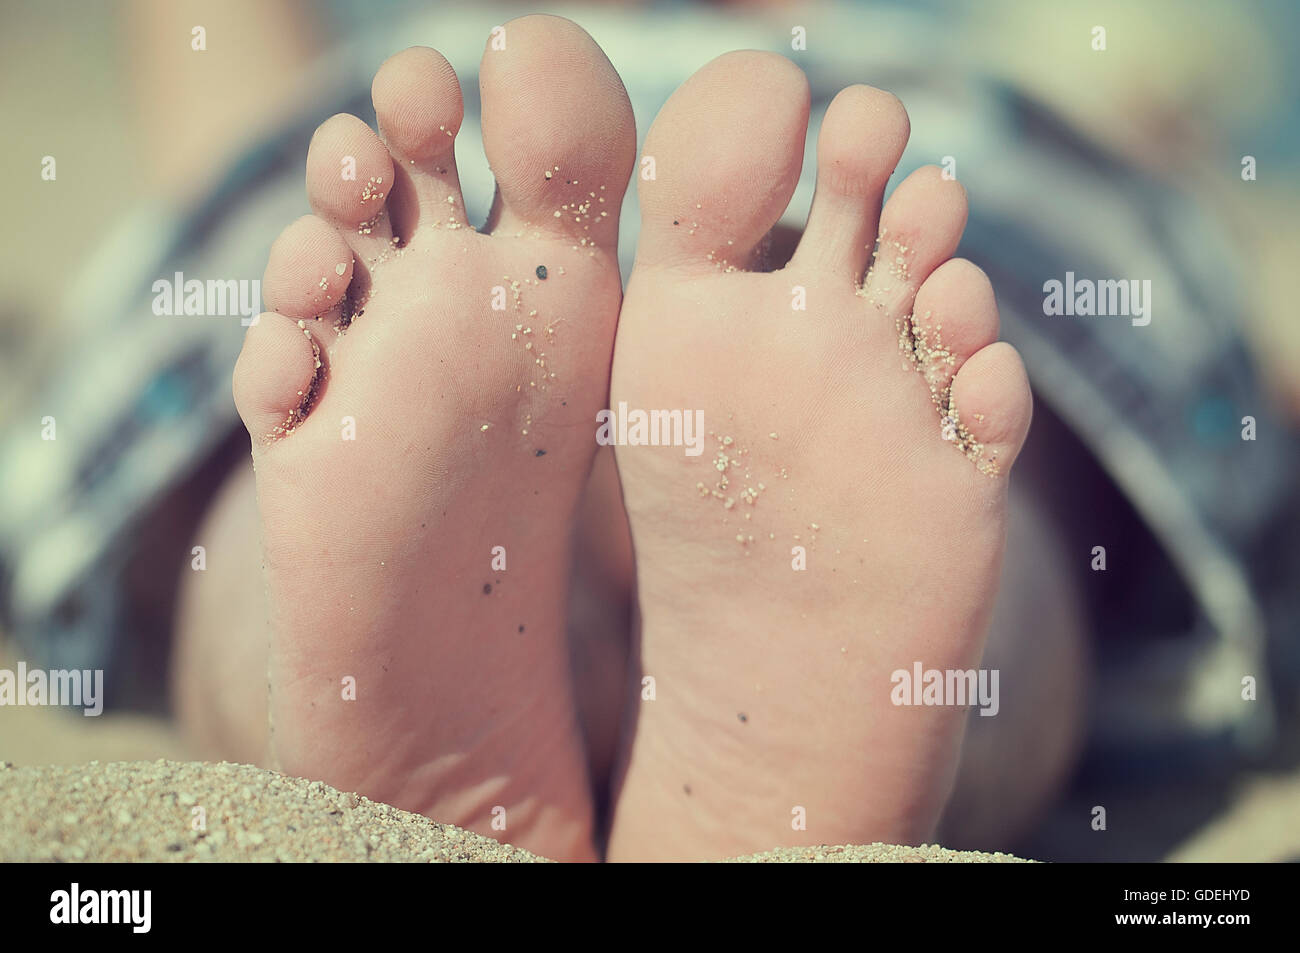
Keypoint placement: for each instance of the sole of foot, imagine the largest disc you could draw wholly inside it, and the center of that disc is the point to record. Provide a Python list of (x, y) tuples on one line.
[(845, 519), (419, 400)]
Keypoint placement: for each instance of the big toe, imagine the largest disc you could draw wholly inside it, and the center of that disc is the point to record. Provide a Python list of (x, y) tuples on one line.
[(558, 131), (721, 161)]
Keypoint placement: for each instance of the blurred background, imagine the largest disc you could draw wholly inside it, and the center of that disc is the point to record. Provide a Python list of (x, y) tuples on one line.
[(1123, 160)]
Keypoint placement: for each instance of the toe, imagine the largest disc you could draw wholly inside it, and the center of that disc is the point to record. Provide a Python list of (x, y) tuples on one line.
[(349, 174), (861, 140), (308, 271), (919, 230), (275, 379), (990, 399), (955, 315), (722, 160), (558, 131), (419, 105)]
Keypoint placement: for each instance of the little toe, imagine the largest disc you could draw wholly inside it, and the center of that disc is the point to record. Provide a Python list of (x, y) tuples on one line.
[(276, 377), (991, 406)]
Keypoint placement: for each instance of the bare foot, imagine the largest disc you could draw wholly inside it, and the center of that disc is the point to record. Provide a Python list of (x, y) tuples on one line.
[(868, 435), (422, 397)]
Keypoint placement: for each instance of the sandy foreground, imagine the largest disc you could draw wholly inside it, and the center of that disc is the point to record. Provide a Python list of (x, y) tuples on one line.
[(126, 787), (94, 789), (195, 811)]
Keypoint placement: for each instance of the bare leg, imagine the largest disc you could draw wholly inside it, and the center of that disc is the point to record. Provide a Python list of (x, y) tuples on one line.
[(1013, 764), (219, 689)]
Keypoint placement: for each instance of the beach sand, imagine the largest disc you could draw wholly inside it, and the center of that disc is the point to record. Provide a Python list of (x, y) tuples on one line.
[(186, 811), (150, 811), (94, 789), (124, 787)]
